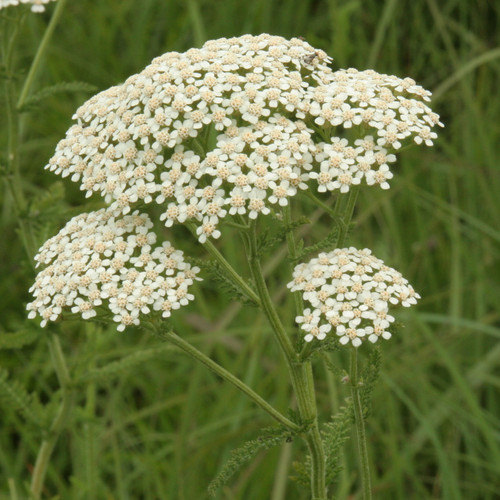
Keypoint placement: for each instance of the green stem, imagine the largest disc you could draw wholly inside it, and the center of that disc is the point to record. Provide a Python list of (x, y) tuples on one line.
[(39, 54), (235, 277), (360, 426), (229, 377), (299, 302), (292, 252), (235, 225), (300, 373), (332, 212), (343, 218), (349, 210), (59, 422), (266, 301)]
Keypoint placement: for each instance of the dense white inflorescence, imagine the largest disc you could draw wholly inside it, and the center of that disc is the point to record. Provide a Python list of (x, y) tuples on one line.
[(350, 291), (98, 259), (36, 5), (237, 127)]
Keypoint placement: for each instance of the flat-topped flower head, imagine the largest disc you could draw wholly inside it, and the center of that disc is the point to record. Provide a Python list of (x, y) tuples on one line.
[(36, 5), (100, 260), (350, 292), (239, 127)]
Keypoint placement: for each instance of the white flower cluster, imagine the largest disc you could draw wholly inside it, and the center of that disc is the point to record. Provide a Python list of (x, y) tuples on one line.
[(99, 258), (36, 5), (238, 126), (350, 291)]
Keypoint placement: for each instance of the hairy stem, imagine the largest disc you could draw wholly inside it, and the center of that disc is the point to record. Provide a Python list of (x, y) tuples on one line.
[(300, 373), (347, 216), (360, 426), (228, 377)]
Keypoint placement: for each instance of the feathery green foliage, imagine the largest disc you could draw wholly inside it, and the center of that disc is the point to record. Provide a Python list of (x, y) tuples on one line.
[(335, 434), (269, 437), (63, 87), (124, 365), (15, 397), (369, 377), (220, 280), (326, 244), (271, 236), (19, 339)]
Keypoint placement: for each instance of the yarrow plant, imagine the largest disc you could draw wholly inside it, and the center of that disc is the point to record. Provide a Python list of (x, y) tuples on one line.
[(227, 134), (98, 257), (240, 126), (350, 291)]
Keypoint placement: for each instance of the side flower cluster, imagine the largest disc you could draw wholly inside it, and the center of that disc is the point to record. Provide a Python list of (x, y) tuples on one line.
[(36, 5), (350, 292), (239, 127), (98, 259)]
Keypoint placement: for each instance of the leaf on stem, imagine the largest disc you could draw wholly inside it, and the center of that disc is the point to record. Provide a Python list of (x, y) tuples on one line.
[(221, 280), (369, 377), (33, 101), (271, 436), (328, 243), (18, 339), (335, 434), (16, 398), (273, 236), (124, 365)]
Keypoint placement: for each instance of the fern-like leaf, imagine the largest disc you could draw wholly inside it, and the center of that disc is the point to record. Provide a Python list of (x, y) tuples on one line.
[(222, 280), (337, 371), (58, 88), (274, 236), (116, 368), (18, 340), (335, 434), (15, 397), (369, 376), (302, 472), (330, 344), (270, 437), (327, 243)]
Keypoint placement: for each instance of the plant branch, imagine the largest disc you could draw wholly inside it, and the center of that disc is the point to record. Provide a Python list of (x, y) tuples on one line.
[(235, 277), (300, 373), (360, 426), (229, 377), (347, 216)]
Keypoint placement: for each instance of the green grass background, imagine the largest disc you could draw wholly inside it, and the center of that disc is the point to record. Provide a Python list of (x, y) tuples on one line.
[(161, 428)]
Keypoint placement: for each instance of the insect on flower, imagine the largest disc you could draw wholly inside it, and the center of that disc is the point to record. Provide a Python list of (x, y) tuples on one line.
[(309, 58)]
